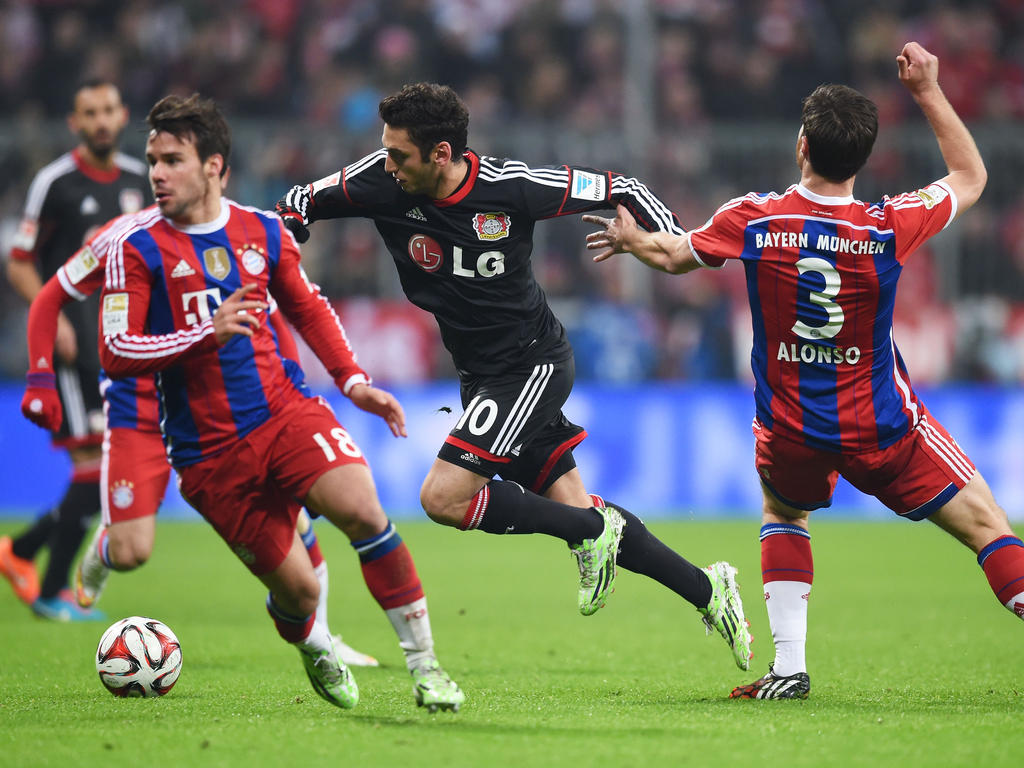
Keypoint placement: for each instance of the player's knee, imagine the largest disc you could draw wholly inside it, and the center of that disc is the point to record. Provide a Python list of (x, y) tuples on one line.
[(127, 553), (438, 505)]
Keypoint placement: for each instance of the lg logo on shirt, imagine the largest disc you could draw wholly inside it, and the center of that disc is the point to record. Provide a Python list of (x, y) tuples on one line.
[(428, 255)]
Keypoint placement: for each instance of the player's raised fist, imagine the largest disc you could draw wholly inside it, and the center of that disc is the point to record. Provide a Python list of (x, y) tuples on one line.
[(41, 404), (292, 208)]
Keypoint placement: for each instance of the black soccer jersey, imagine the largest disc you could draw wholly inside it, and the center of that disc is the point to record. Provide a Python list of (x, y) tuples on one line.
[(466, 258), (67, 201)]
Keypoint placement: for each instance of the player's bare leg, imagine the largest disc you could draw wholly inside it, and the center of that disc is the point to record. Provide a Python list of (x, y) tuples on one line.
[(121, 546), (973, 517), (346, 495), (294, 592)]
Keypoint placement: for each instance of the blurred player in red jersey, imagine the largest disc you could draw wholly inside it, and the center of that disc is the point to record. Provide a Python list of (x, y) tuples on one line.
[(832, 394), (134, 469), (67, 200), (459, 227), (186, 294)]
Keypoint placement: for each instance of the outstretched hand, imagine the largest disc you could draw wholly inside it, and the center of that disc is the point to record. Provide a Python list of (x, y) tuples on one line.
[(918, 69), (233, 317), (615, 233), (381, 403)]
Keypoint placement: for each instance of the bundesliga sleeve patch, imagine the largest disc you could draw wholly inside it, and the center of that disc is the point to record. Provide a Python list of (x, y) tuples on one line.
[(588, 186), (327, 181), (932, 195), (115, 313), (82, 264)]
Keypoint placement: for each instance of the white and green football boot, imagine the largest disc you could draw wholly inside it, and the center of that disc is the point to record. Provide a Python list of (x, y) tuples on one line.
[(434, 689), (596, 560), (330, 678), (725, 612)]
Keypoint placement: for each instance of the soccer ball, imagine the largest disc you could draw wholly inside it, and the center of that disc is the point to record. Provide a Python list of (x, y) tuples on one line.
[(138, 657)]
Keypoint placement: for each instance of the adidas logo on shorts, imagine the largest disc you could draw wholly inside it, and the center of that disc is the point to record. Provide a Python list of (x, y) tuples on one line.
[(472, 458)]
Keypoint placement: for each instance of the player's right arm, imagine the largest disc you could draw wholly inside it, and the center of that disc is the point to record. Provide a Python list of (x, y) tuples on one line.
[(327, 198), (664, 251), (919, 71)]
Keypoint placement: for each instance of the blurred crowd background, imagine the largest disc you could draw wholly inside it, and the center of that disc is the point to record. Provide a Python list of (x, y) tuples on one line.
[(699, 98)]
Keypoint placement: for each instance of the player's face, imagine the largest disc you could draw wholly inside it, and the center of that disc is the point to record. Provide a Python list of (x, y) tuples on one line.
[(98, 119), (185, 189), (404, 161)]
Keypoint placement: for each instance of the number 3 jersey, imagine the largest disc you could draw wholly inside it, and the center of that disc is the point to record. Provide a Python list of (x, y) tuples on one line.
[(164, 284), (466, 258), (821, 277)]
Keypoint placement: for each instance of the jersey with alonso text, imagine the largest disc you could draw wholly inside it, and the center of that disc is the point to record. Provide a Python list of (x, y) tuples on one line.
[(821, 276), (163, 284), (68, 200), (466, 258)]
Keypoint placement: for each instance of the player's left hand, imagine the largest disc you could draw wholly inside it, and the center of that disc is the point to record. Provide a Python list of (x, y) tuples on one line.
[(41, 404), (293, 209), (381, 403), (612, 238)]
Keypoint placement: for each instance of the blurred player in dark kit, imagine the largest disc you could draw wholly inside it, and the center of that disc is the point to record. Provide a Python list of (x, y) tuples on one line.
[(67, 201)]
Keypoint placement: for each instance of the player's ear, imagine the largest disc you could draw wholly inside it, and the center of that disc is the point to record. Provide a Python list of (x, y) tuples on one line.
[(441, 153)]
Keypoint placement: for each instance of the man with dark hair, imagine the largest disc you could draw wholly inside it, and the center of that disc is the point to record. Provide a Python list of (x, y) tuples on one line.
[(187, 291), (832, 395), (459, 227), (67, 201)]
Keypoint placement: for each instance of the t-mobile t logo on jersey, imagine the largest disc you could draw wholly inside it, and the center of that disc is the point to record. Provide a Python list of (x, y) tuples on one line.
[(202, 301)]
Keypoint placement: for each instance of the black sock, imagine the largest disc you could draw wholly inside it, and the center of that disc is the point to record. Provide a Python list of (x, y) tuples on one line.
[(507, 507), (74, 514), (642, 552), (27, 545)]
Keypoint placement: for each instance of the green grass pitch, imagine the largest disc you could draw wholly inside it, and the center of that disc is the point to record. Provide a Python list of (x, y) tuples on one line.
[(912, 662)]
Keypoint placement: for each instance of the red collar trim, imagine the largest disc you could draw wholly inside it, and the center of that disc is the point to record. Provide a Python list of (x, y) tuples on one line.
[(96, 174), (467, 184)]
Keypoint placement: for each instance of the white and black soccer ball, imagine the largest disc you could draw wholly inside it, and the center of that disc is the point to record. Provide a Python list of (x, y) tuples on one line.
[(138, 656)]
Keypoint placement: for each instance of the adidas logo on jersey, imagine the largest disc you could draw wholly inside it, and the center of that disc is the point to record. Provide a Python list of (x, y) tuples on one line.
[(417, 214), (182, 269)]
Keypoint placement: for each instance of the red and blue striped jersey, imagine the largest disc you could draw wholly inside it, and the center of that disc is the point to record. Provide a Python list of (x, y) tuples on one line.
[(821, 276), (163, 284), (130, 402)]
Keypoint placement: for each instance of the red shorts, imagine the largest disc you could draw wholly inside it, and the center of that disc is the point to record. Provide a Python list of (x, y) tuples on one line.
[(913, 477), (133, 475), (252, 492)]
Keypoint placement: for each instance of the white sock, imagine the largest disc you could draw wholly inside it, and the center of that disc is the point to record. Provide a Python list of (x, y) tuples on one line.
[(321, 606), (787, 614), (319, 639), (412, 625)]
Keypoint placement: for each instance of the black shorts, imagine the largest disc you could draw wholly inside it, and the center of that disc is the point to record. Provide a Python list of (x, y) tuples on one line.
[(79, 390), (513, 426)]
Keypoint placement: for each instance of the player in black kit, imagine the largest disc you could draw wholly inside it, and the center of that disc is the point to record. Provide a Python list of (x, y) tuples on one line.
[(67, 201), (459, 227)]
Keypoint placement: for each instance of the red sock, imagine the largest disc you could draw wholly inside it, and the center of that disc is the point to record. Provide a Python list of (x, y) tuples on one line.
[(1003, 563), (292, 628), (786, 554), (388, 569)]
